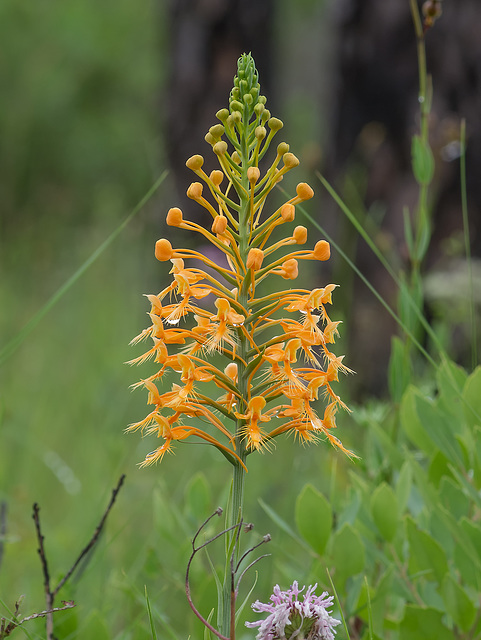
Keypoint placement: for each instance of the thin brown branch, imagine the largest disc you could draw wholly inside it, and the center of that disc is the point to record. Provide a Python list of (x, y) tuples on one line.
[(94, 537), (14, 623), (49, 596)]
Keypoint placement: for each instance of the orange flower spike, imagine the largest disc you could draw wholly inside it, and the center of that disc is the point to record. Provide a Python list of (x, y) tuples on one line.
[(259, 371)]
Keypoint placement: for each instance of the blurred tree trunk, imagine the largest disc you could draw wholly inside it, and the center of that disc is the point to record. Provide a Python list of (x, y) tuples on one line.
[(375, 114), (207, 37)]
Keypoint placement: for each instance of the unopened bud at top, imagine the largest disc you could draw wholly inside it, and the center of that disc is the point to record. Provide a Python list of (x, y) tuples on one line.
[(217, 131), (220, 148), (194, 163), (290, 160), (195, 191), (322, 251), (163, 250), (260, 133), (216, 176), (253, 174), (300, 235), (275, 124), (288, 212), (219, 225), (222, 115), (254, 259), (231, 371), (174, 217), (282, 148), (304, 191)]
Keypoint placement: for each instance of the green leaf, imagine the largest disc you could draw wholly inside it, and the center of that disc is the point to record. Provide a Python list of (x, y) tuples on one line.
[(472, 399), (450, 380), (455, 500), (198, 497), (422, 161), (399, 374), (457, 603), (439, 428), (439, 468), (385, 511), (473, 531), (348, 555), (403, 486), (425, 554), (411, 423), (469, 572), (421, 623), (313, 518)]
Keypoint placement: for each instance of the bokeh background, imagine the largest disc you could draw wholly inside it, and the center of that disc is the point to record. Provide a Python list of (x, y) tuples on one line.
[(97, 99)]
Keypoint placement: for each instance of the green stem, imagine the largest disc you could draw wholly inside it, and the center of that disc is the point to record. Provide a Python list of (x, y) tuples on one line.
[(238, 480)]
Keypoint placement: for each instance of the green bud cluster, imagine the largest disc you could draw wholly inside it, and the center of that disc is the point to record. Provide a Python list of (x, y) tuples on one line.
[(244, 122)]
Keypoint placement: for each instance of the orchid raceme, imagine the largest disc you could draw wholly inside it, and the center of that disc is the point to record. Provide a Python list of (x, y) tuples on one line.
[(278, 371)]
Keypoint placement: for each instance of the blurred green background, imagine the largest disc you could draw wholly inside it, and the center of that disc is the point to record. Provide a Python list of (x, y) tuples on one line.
[(85, 87)]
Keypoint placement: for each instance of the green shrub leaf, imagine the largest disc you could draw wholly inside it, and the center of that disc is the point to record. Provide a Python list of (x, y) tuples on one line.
[(472, 399), (425, 554), (423, 624), (411, 423), (457, 603), (348, 553), (313, 518), (385, 511)]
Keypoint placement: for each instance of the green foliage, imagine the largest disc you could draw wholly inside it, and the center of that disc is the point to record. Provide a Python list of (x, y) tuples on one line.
[(314, 518), (410, 524)]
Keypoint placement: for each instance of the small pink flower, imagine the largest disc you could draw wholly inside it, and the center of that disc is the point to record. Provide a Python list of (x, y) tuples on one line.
[(291, 619)]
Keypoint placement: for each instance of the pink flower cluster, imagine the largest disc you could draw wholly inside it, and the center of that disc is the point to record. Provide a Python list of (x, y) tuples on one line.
[(292, 619)]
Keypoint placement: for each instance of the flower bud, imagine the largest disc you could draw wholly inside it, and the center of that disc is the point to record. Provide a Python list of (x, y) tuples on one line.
[(217, 131), (163, 250), (236, 158), (260, 133), (300, 235), (289, 269), (174, 217), (290, 160), (219, 225), (222, 115), (236, 116), (288, 212), (254, 259), (195, 191), (220, 148), (235, 105), (195, 162), (275, 124), (282, 148), (266, 114), (304, 191), (216, 176), (322, 251), (231, 371), (253, 174), (209, 138), (258, 109)]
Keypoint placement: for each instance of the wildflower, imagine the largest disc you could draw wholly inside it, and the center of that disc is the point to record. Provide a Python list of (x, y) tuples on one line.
[(214, 325), (292, 619)]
